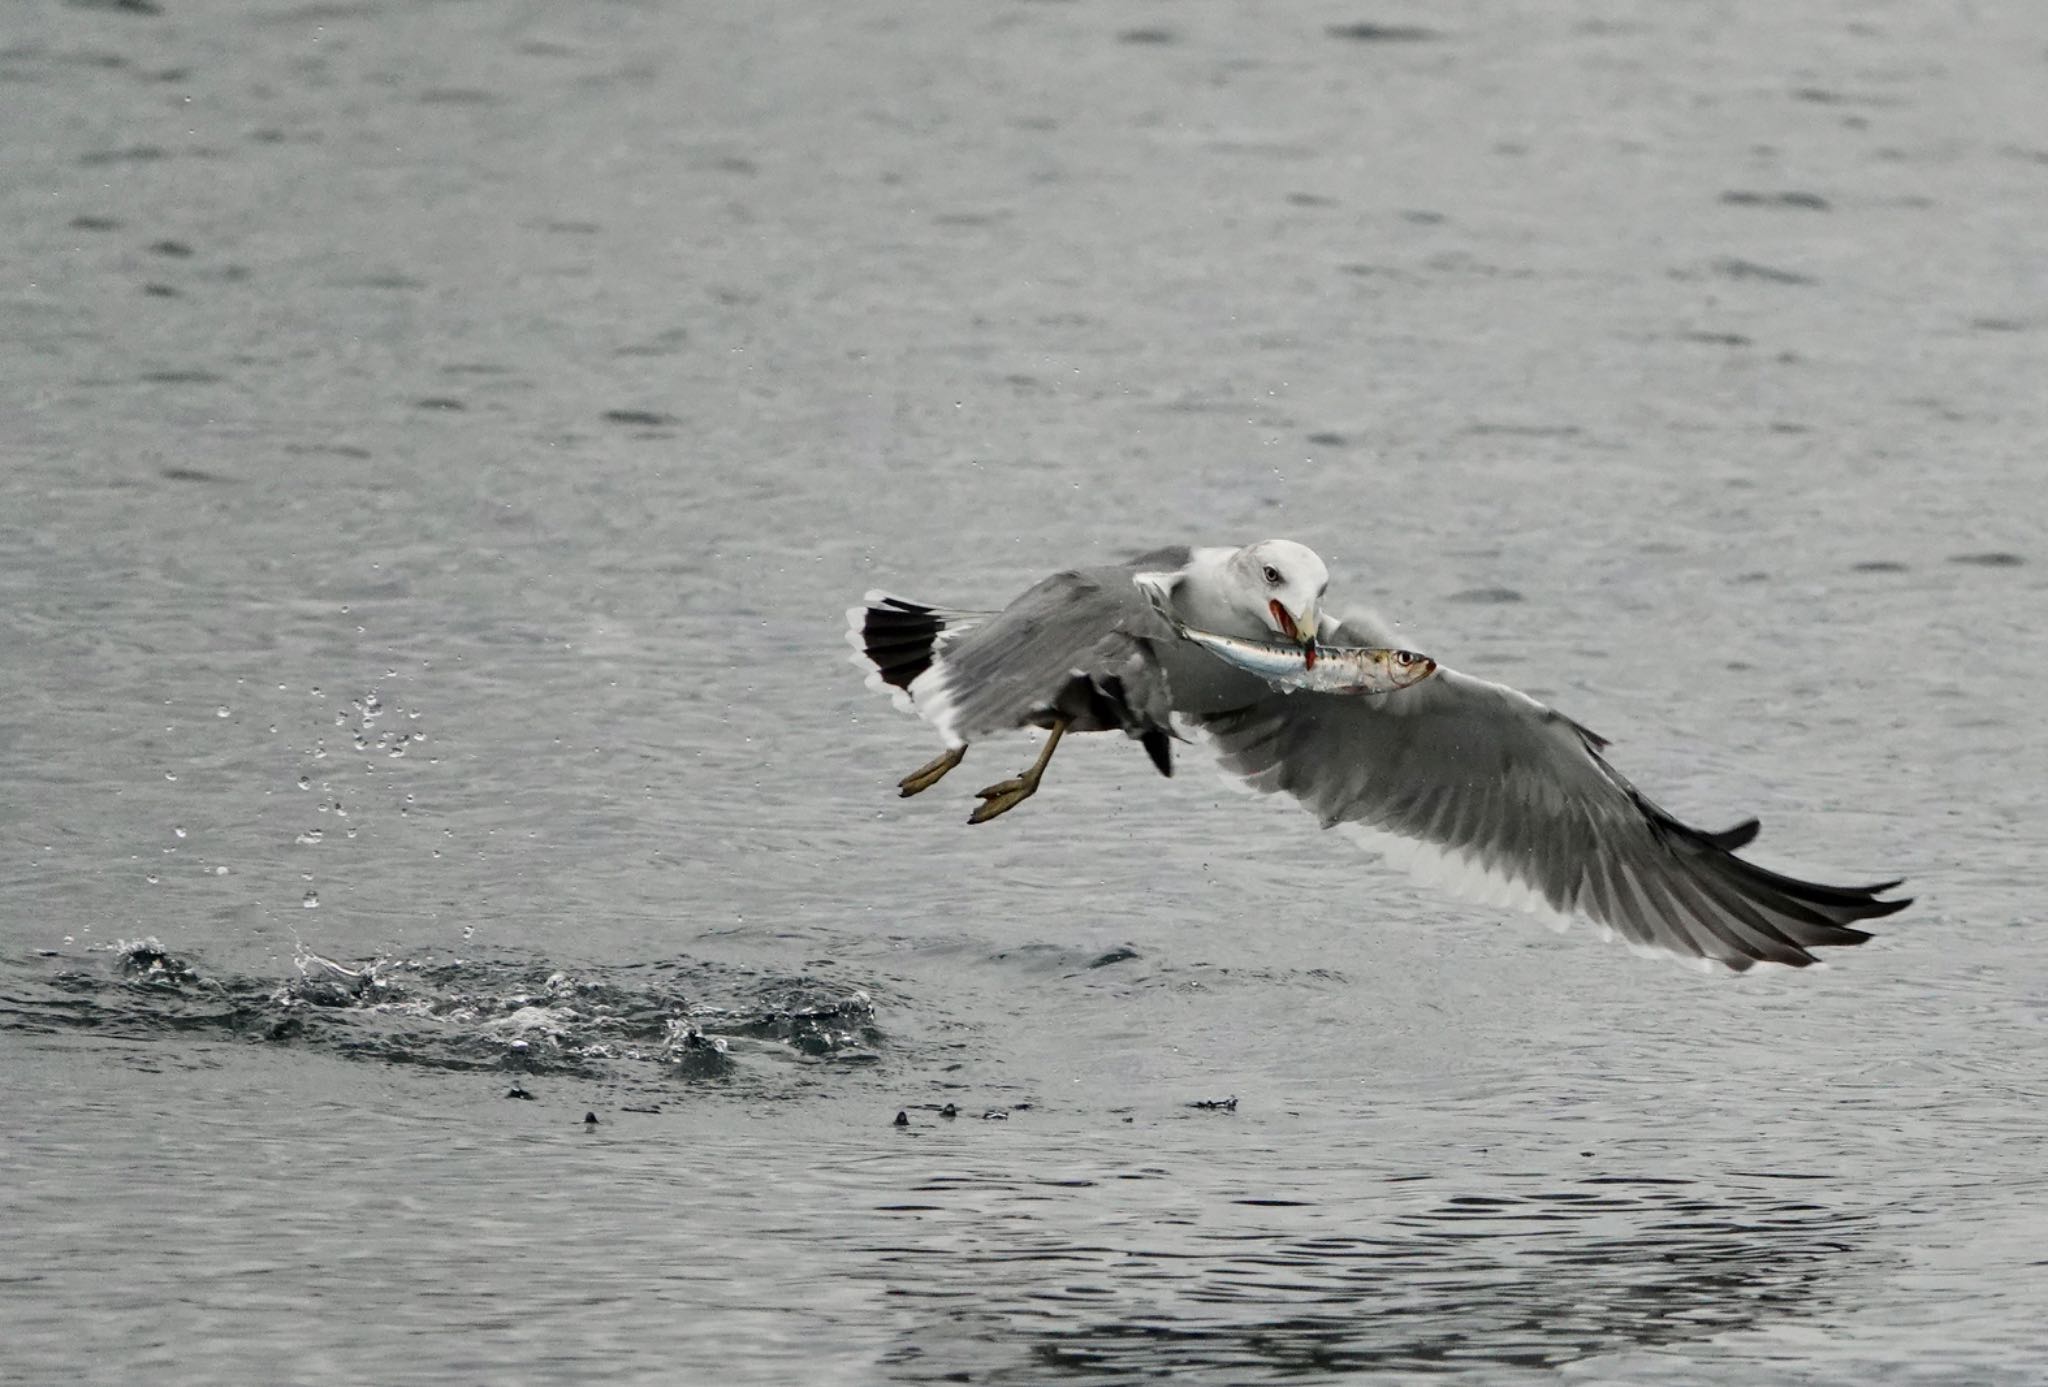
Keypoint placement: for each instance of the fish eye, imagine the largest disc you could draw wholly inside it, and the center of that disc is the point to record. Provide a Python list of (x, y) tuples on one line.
[(1273, 575)]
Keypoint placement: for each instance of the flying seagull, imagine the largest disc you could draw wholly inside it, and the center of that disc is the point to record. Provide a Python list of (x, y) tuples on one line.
[(1466, 780)]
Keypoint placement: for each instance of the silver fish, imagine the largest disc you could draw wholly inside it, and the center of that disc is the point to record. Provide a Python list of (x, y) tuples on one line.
[(1358, 669)]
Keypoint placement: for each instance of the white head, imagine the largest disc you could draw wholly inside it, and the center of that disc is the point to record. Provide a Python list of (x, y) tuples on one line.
[(1281, 584)]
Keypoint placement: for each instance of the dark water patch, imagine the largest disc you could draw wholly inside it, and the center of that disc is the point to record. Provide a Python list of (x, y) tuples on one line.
[(1828, 96), (1328, 440), (1878, 566), (1994, 558), (162, 291), (1487, 596), (1148, 36), (562, 227), (1366, 31), (459, 96), (1999, 324), (1716, 339), (445, 403), (1123, 953), (193, 474), (515, 1015), (339, 450), (640, 418), (386, 279), (1310, 200), (177, 250), (132, 154), (667, 342), (1806, 202), (1424, 217), (135, 7), (85, 222), (1733, 267), (1465, 263), (1517, 1275), (1489, 430), (182, 376)]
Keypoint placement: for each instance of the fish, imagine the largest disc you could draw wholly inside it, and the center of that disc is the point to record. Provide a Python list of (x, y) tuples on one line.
[(1357, 669)]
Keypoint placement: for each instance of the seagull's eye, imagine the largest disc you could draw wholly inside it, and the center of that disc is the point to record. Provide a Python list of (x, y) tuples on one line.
[(1273, 575)]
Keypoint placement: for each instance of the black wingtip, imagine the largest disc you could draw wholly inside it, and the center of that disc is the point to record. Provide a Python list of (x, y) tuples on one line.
[(1159, 747), (1736, 836)]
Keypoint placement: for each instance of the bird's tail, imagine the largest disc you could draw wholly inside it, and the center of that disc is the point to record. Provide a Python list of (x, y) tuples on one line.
[(896, 640)]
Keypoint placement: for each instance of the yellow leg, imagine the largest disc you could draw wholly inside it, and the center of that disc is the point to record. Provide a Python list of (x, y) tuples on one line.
[(931, 772), (1006, 795)]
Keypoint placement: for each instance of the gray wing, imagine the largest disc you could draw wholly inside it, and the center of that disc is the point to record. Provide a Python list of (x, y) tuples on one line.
[(1082, 644), (1513, 800)]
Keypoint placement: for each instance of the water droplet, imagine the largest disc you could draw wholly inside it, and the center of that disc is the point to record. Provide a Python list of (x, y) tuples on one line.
[(311, 900), (220, 871), (309, 837), (152, 878), (314, 691), (179, 830), (305, 782), (169, 775), (222, 711)]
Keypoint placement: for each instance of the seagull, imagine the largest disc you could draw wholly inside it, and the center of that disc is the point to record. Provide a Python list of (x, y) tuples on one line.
[(1467, 781)]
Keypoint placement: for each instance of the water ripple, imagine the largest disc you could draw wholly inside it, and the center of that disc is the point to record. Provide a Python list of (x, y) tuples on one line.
[(1534, 1275)]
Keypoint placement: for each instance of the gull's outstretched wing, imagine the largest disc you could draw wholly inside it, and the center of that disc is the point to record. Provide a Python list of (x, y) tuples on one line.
[(1514, 802)]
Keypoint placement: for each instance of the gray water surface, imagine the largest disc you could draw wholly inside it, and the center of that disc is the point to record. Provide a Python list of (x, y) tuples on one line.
[(440, 441)]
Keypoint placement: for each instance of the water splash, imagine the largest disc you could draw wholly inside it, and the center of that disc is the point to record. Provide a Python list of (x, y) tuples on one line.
[(636, 1023)]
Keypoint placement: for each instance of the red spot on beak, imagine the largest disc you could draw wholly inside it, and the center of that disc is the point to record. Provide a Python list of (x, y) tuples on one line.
[(1285, 621)]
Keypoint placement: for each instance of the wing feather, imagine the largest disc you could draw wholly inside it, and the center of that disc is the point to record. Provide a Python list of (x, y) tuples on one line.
[(1489, 785)]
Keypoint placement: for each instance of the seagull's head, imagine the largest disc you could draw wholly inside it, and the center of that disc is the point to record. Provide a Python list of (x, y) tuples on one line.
[(1283, 583)]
